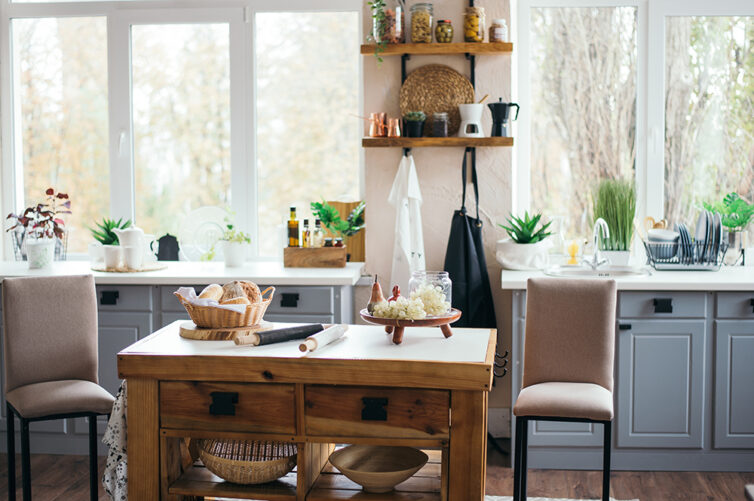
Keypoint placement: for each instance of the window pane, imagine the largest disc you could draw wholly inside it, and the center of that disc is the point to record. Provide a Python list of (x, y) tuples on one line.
[(709, 105), (307, 139), (181, 120), (583, 91), (60, 101)]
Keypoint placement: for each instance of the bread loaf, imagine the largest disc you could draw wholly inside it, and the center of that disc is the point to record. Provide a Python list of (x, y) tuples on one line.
[(252, 291), (236, 300), (212, 291), (232, 290)]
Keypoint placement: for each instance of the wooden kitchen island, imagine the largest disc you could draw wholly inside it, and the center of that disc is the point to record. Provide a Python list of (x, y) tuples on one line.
[(429, 392)]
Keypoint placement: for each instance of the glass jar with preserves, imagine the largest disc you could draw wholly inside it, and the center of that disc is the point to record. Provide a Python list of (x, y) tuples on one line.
[(444, 31), (434, 288), (498, 31), (440, 124), (421, 22), (388, 23), (473, 24)]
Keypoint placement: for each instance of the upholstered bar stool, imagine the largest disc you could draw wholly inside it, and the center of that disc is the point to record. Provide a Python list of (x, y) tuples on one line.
[(50, 360), (568, 363)]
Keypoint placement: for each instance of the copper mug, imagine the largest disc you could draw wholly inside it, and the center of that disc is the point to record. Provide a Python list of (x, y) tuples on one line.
[(393, 127), (377, 126)]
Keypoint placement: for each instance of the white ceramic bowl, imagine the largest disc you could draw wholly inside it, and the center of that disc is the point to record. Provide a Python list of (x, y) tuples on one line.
[(378, 468), (661, 235)]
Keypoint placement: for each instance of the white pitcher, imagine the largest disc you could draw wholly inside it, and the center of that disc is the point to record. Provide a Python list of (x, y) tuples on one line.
[(130, 237)]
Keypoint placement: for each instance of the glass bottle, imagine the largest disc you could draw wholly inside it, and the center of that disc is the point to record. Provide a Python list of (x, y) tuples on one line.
[(440, 124), (318, 236), (421, 22), (473, 24), (306, 235), (444, 31), (498, 31), (432, 285), (388, 25), (293, 229)]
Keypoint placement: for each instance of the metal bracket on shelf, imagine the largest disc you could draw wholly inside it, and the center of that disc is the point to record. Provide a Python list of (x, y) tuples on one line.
[(406, 151), (472, 69), (404, 58)]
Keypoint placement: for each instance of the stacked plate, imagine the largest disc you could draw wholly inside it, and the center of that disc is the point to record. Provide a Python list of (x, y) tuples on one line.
[(679, 250)]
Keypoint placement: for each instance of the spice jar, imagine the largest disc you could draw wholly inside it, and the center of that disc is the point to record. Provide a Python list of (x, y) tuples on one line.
[(388, 24), (498, 31), (440, 124), (473, 24), (421, 23), (444, 31)]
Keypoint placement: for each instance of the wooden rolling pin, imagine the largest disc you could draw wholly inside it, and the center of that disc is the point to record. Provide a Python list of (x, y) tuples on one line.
[(323, 338), (279, 335)]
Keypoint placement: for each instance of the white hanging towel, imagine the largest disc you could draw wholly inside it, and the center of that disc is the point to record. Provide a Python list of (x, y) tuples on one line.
[(408, 248)]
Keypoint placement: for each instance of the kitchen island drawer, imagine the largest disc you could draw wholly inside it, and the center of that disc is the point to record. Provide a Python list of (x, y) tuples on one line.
[(662, 305), (246, 407), (311, 300), (124, 297), (735, 304), (343, 411)]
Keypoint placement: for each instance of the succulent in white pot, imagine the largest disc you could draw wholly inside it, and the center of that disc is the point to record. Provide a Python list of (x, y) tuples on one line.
[(528, 245)]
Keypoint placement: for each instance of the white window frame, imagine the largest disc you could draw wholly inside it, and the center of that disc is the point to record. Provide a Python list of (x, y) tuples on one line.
[(650, 89), (120, 16)]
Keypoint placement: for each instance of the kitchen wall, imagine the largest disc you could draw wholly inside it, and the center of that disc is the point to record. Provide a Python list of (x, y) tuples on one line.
[(439, 169)]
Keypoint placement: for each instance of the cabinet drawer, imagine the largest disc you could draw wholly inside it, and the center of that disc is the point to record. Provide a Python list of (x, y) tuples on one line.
[(228, 406), (339, 411), (662, 305), (124, 297), (168, 301), (316, 300), (735, 304)]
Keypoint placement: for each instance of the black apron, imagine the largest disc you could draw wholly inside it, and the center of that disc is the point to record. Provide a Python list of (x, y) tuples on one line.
[(465, 263)]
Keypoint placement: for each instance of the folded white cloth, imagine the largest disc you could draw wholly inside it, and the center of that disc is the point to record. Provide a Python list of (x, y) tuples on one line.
[(189, 294)]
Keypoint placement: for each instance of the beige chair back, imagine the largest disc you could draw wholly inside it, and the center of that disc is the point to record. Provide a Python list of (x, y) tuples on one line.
[(49, 329), (570, 331)]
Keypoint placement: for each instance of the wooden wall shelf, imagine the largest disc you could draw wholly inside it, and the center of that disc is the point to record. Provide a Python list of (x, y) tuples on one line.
[(441, 48), (418, 142)]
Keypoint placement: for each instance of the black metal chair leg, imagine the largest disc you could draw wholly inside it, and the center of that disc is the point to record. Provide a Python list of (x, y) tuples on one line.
[(93, 495), (25, 459), (524, 448), (11, 452), (517, 461), (606, 461)]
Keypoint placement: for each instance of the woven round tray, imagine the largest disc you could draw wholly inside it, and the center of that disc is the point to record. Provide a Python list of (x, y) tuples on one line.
[(213, 318), (436, 88), (247, 461)]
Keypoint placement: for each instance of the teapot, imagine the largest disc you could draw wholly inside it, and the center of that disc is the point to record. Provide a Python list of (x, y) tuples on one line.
[(130, 237)]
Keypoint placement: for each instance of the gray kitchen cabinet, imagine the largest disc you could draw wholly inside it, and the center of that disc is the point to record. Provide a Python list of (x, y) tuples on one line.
[(734, 384), (660, 384)]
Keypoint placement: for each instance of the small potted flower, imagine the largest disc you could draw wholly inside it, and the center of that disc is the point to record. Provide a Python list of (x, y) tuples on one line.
[(234, 244), (414, 123), (41, 226), (528, 245)]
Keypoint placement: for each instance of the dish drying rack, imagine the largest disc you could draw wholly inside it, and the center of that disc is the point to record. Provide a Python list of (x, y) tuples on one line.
[(677, 256)]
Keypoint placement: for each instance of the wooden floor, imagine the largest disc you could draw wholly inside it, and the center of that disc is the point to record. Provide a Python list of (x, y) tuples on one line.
[(66, 478)]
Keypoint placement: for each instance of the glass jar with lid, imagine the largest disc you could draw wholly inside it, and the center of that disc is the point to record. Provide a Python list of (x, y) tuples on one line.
[(498, 31), (444, 31), (434, 288), (421, 22), (388, 23), (473, 24), (440, 124)]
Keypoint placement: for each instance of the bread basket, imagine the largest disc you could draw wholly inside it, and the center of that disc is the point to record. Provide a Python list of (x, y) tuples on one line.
[(212, 317), (247, 461)]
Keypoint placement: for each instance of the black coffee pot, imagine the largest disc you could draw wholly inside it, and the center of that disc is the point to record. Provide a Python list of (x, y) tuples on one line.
[(500, 115)]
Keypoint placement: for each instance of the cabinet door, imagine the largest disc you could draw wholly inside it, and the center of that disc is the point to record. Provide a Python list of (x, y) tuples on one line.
[(660, 383), (734, 384), (116, 332)]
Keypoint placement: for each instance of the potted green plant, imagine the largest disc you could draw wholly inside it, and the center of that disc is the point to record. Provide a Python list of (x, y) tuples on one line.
[(414, 123), (104, 235), (330, 219), (736, 214), (233, 242), (527, 245), (614, 200), (41, 224)]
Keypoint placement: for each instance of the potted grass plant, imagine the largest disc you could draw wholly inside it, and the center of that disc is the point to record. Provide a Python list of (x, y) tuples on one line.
[(527, 246), (614, 201)]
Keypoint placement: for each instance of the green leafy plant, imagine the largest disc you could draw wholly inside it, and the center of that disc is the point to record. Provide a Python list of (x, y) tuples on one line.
[(415, 116), (735, 212), (615, 202), (330, 218), (524, 231), (380, 20), (41, 220), (104, 234)]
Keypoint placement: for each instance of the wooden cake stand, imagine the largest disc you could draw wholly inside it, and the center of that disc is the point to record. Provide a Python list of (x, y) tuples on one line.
[(395, 326)]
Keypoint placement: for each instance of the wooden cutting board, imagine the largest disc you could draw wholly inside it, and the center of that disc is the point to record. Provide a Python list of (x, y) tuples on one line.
[(189, 330)]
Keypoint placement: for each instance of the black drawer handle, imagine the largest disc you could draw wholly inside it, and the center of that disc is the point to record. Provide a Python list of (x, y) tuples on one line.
[(109, 297), (289, 299), (374, 409), (624, 327), (663, 305), (223, 403), (751, 303)]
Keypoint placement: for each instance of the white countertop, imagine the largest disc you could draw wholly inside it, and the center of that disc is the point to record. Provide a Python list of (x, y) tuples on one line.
[(197, 273), (729, 278)]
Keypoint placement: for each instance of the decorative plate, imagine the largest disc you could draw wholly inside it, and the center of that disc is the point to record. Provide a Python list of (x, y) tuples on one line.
[(436, 88), (200, 229)]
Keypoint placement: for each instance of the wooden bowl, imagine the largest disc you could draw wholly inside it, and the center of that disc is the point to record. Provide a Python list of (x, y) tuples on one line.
[(378, 468)]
